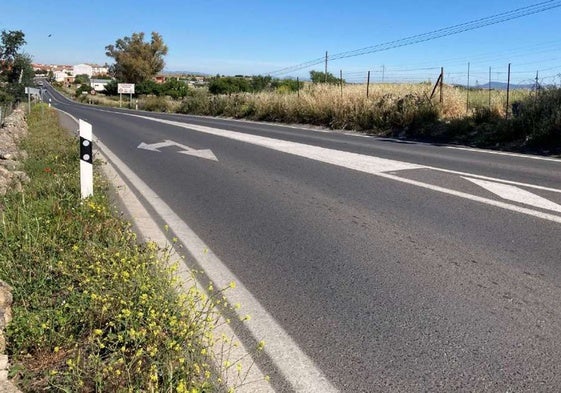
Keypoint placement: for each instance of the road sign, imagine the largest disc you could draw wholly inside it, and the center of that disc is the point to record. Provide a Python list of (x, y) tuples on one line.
[(32, 91), (125, 88)]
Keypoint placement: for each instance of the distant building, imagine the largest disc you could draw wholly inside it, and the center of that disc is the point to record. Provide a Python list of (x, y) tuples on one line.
[(82, 69), (160, 79), (60, 73)]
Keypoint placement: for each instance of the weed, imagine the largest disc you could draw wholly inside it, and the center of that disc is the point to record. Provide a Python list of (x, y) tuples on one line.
[(94, 309)]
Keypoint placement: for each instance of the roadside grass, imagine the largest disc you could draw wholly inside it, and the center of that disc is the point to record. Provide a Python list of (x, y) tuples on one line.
[(94, 309)]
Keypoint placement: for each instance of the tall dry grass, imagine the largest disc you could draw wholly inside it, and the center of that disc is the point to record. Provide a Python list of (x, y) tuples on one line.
[(388, 106)]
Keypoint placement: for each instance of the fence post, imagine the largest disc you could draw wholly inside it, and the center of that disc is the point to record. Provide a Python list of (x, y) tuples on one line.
[(441, 84), (467, 97), (489, 88), (367, 84), (507, 92), (298, 86), (86, 159), (341, 81)]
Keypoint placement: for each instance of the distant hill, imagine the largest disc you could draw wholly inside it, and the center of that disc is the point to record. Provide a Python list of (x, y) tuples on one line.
[(194, 73), (502, 86)]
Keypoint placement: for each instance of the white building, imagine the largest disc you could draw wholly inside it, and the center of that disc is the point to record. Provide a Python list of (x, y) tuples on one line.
[(60, 74), (81, 69)]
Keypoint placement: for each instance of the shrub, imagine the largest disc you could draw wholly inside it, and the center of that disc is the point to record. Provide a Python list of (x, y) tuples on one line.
[(155, 104)]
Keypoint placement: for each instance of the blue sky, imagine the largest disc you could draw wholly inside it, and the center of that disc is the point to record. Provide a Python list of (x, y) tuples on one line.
[(257, 37)]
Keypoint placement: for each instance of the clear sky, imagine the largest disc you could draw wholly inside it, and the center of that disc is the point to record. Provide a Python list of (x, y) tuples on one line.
[(258, 37)]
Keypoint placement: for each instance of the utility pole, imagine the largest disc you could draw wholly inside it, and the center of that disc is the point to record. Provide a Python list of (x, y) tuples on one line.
[(325, 67), (383, 72)]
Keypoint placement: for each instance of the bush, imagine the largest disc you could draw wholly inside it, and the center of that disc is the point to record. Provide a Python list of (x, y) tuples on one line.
[(83, 89), (155, 104)]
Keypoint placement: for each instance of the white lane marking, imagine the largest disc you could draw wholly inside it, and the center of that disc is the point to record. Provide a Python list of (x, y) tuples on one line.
[(201, 153), (503, 205), (355, 161), (369, 164), (516, 194), (151, 231), (503, 153), (295, 366), (515, 183)]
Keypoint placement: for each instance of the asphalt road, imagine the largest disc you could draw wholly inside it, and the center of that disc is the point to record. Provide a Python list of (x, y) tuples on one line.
[(436, 269)]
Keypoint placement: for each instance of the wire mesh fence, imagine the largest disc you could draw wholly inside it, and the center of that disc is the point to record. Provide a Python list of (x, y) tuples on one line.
[(6, 109)]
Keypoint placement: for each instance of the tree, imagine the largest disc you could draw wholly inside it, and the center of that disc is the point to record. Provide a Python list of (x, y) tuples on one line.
[(319, 77), (12, 41), (228, 85), (136, 60), (15, 67), (82, 79)]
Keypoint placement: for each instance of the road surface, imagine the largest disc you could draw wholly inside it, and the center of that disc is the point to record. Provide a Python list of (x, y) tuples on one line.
[(370, 264)]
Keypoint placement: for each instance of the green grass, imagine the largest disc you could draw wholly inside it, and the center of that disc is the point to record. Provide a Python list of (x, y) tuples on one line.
[(94, 309)]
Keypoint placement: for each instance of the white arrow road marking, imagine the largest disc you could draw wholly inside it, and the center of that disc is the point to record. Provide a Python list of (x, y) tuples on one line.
[(203, 153), (516, 194), (358, 162)]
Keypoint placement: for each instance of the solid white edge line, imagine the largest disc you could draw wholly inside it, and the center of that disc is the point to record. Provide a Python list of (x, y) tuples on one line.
[(295, 366), (505, 153)]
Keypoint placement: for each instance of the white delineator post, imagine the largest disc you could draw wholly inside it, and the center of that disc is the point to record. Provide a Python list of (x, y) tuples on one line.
[(86, 159)]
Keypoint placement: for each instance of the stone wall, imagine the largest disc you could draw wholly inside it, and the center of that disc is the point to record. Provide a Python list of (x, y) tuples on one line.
[(11, 177), (14, 130), (5, 318)]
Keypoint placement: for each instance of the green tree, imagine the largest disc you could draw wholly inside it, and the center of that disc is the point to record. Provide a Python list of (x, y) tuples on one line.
[(228, 85), (174, 88), (260, 82), (135, 59), (82, 79), (148, 87), (12, 41), (319, 77), (16, 70)]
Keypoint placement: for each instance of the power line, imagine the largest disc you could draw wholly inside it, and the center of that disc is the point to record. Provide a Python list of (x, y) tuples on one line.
[(432, 35)]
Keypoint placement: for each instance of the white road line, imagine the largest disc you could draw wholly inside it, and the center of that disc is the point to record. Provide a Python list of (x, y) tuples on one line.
[(503, 153), (357, 162), (150, 231), (515, 183), (516, 194), (514, 208), (295, 366), (369, 164)]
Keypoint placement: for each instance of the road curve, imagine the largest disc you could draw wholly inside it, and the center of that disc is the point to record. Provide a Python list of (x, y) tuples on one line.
[(391, 265)]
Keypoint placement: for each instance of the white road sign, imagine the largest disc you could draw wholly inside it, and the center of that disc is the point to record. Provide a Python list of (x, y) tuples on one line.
[(125, 88)]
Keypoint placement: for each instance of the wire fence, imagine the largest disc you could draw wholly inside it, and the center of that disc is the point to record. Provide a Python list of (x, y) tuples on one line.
[(6, 109), (472, 77)]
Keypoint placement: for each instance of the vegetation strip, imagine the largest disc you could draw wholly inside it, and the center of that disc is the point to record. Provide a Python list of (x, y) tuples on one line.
[(94, 310)]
